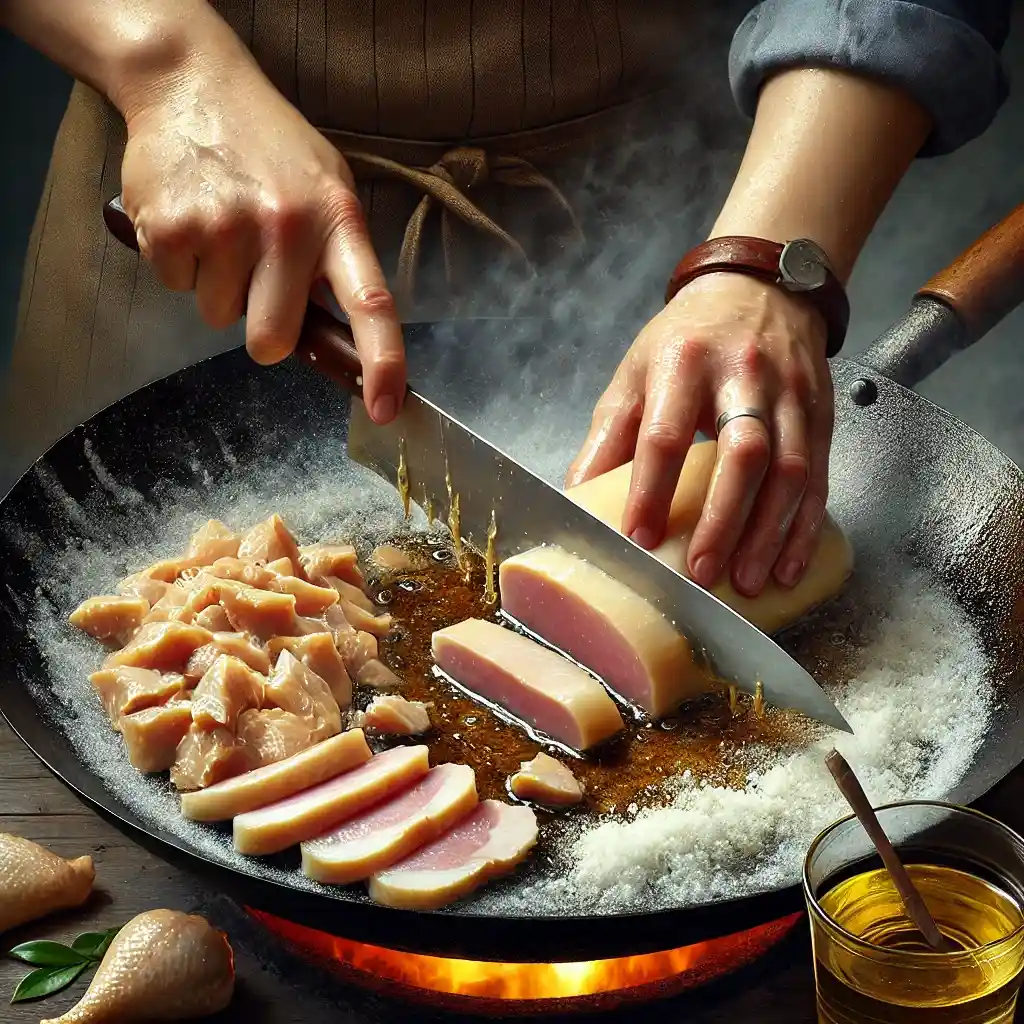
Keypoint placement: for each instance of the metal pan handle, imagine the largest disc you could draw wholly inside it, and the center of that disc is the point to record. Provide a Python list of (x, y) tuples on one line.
[(957, 307), (324, 343)]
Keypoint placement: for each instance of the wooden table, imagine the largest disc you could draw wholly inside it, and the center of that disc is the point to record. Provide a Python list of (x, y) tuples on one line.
[(276, 989)]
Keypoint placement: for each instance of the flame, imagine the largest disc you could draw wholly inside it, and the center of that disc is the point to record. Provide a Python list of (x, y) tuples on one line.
[(685, 967)]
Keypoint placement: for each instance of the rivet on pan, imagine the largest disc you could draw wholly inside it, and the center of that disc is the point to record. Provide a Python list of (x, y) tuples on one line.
[(863, 392)]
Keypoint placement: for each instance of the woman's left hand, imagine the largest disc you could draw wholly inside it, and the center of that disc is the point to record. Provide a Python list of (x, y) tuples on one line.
[(725, 342)]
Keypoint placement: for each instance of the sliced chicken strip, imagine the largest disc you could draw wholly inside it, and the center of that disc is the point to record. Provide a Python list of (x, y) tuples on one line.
[(151, 737), (486, 844), (318, 653), (164, 646), (395, 716), (275, 782), (238, 645), (210, 542), (110, 618), (385, 834), (294, 687), (207, 756), (547, 781), (125, 690), (35, 882), (269, 541), (228, 688), (279, 825)]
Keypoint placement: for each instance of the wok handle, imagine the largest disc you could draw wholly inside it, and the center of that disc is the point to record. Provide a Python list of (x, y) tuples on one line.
[(324, 343), (957, 307)]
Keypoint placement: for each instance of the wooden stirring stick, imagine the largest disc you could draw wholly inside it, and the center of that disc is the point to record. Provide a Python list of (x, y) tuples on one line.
[(913, 904)]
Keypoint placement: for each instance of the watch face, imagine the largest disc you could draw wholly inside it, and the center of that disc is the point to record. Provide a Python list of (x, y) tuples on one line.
[(803, 266)]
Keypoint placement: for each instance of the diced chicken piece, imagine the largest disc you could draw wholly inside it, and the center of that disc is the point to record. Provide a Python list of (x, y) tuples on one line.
[(272, 735), (113, 619), (171, 607), (383, 835), (378, 625), (490, 842), (537, 685), (276, 826), (321, 560), (151, 737), (215, 619), (317, 652), (293, 687), (356, 649), (283, 567), (377, 676), (277, 781), (164, 646), (141, 585), (125, 690), (352, 594), (260, 612), (396, 716), (168, 570), (212, 541), (394, 560), (309, 598), (603, 625), (268, 541), (776, 606), (228, 688), (203, 590), (206, 756), (240, 571), (336, 623), (545, 780), (238, 645)]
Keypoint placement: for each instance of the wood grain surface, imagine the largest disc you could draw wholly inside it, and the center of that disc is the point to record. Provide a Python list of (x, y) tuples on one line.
[(275, 987)]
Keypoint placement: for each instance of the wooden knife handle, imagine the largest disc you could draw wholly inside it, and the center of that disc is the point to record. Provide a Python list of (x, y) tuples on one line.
[(324, 343), (987, 282)]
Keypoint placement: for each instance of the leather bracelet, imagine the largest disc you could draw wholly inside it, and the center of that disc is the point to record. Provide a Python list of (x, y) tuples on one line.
[(799, 267)]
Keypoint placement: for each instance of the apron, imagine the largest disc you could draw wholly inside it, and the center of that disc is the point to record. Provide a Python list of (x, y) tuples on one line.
[(482, 134)]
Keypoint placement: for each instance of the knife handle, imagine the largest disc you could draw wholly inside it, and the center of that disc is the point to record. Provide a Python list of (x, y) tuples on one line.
[(324, 343)]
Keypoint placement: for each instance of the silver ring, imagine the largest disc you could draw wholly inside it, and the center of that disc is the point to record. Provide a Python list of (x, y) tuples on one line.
[(734, 414)]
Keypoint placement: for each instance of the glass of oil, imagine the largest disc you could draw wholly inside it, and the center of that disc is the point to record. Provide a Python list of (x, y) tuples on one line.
[(871, 965)]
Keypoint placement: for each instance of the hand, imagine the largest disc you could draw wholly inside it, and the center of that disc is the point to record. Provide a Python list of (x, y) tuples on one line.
[(233, 194), (726, 341)]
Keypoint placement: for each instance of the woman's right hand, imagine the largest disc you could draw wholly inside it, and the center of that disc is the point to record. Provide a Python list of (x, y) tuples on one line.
[(235, 195)]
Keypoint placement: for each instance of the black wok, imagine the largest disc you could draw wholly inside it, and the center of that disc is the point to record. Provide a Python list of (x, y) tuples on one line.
[(910, 484)]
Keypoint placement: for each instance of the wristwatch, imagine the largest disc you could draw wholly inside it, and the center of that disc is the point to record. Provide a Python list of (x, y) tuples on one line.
[(799, 267)]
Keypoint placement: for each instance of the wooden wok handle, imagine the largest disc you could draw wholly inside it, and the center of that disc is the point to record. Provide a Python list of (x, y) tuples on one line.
[(324, 343), (987, 282)]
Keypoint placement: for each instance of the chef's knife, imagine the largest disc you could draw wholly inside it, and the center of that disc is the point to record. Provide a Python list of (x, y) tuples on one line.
[(438, 451)]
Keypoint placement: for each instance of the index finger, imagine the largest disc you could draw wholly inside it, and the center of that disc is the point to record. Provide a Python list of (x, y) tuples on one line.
[(354, 273)]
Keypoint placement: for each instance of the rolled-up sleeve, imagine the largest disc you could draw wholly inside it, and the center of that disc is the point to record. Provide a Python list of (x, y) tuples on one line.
[(944, 53)]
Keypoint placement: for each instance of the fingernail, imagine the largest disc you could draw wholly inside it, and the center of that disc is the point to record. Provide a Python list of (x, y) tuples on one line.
[(644, 537), (749, 579), (384, 409), (705, 570), (789, 572)]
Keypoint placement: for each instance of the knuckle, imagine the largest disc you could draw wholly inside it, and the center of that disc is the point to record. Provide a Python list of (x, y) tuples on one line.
[(665, 437), (750, 357), (345, 211), (682, 357), (794, 468), (372, 300), (750, 449), (170, 232)]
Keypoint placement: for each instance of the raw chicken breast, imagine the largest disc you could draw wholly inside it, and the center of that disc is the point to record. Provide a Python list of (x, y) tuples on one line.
[(260, 612), (162, 965), (317, 652), (385, 834), (394, 560), (151, 737), (377, 676), (269, 541), (356, 649), (272, 735), (544, 780), (352, 594), (141, 585), (775, 607), (110, 618), (321, 560), (279, 780), (125, 690), (277, 826), (360, 619), (238, 645), (164, 646), (35, 882), (396, 716), (604, 625), (172, 606), (228, 688), (293, 687), (537, 685), (310, 599), (206, 756), (215, 619), (210, 542), (488, 843), (239, 571)]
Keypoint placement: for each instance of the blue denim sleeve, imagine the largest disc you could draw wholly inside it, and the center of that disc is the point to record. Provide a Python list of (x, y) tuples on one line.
[(945, 53)]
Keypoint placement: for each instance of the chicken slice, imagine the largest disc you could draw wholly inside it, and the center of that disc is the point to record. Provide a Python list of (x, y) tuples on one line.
[(383, 835), (228, 688), (545, 780), (295, 688), (35, 882), (151, 737), (204, 589), (377, 676), (491, 841), (395, 716), (309, 598), (241, 571), (111, 618), (206, 756), (283, 567), (214, 618), (353, 594), (321, 560), (238, 645), (210, 542), (162, 965), (167, 570), (260, 612), (360, 619), (396, 560), (281, 824), (272, 735), (317, 652), (273, 782), (173, 606), (269, 541), (141, 585), (356, 649), (125, 690), (537, 685), (164, 646)]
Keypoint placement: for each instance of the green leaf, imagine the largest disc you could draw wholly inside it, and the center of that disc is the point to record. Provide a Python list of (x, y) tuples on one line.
[(94, 944), (45, 981), (48, 954)]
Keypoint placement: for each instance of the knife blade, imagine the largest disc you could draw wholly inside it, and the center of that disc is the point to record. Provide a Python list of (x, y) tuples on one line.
[(433, 449)]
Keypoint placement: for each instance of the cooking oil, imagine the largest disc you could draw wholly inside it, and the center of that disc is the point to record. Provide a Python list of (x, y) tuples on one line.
[(403, 477), (490, 594), (900, 979)]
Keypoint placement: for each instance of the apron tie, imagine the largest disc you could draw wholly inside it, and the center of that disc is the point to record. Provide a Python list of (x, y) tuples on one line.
[(447, 183)]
